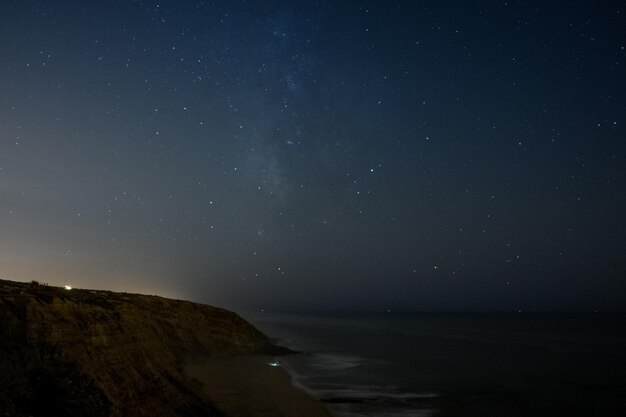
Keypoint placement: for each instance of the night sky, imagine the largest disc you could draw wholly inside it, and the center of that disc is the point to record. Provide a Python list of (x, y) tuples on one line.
[(345, 155)]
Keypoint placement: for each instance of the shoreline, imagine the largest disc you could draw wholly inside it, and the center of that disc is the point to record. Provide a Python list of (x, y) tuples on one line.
[(248, 386)]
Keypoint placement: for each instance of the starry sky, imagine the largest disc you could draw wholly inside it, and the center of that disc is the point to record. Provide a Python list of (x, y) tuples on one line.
[(342, 155)]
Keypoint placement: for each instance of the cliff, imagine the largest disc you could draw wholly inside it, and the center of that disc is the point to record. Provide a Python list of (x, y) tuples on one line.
[(99, 353)]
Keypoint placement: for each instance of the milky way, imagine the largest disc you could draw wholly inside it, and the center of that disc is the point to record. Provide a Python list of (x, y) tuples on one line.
[(317, 155)]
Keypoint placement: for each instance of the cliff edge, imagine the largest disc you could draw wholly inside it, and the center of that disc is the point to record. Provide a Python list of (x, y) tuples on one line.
[(80, 352)]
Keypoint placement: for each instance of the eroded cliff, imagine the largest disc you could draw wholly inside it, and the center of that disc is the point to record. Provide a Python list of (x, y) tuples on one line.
[(100, 353)]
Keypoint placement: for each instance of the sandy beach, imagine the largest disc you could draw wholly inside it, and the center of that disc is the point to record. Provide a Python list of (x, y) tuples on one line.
[(247, 386)]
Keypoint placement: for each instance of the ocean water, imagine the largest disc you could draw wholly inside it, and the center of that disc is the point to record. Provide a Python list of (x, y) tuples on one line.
[(436, 364)]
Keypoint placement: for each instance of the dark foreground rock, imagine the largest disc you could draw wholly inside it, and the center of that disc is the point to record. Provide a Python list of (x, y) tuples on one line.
[(99, 353)]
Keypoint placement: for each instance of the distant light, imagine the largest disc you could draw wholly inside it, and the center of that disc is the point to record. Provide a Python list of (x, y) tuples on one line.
[(68, 287), (274, 364)]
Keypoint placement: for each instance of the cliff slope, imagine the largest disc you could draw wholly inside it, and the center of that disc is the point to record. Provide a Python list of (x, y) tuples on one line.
[(100, 353)]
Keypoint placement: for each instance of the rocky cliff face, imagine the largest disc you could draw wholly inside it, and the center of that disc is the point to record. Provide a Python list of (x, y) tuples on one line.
[(99, 353)]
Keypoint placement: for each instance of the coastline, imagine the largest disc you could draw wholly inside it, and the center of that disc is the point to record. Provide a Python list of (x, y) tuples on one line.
[(101, 353), (248, 386)]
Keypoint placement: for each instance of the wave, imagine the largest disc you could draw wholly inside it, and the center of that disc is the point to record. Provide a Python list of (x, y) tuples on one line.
[(335, 362), (387, 413), (358, 395), (362, 401)]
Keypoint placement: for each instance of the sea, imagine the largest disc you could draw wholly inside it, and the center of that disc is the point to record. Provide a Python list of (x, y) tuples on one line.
[(455, 364)]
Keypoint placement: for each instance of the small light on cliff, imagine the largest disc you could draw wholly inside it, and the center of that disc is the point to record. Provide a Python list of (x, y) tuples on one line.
[(274, 364), (68, 287)]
